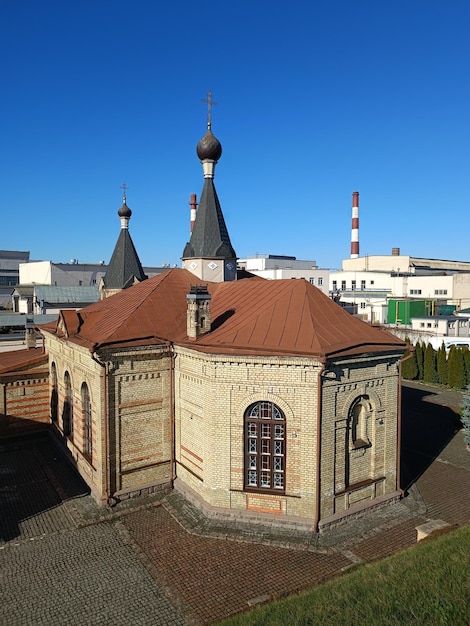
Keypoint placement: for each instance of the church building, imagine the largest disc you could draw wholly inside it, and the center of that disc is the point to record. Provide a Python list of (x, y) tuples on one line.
[(254, 397)]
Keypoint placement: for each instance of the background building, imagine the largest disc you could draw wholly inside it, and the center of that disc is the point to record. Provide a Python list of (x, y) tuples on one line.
[(275, 267), (368, 284), (10, 261)]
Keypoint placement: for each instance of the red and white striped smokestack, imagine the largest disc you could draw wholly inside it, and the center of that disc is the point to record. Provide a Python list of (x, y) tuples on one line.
[(192, 210), (355, 226)]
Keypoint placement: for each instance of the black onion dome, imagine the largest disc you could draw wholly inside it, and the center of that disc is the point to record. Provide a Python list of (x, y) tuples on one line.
[(124, 211), (209, 147)]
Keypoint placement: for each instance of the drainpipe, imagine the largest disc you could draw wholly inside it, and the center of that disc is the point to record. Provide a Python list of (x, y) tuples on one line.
[(400, 364), (318, 450), (105, 425), (172, 413)]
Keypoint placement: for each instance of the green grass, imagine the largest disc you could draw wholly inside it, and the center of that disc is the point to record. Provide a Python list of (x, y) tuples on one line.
[(428, 584)]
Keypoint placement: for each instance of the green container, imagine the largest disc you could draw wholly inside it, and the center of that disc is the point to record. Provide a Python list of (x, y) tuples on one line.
[(401, 311)]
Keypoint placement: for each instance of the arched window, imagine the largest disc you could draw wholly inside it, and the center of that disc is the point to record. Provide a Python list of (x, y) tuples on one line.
[(359, 422), (86, 410), (67, 409), (54, 394), (265, 448)]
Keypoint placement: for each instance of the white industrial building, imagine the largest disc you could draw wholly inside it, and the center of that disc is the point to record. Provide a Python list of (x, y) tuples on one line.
[(275, 267), (368, 283), (71, 274)]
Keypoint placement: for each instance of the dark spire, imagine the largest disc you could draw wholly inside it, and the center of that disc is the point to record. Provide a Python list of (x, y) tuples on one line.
[(124, 268), (209, 237)]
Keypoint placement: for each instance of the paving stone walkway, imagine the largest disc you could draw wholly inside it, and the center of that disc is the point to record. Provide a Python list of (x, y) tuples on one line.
[(158, 560), (90, 575)]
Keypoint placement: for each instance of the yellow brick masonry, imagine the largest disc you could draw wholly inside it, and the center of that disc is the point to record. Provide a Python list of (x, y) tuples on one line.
[(353, 478), (139, 419), (129, 392), (24, 401), (131, 395), (213, 392), (78, 362)]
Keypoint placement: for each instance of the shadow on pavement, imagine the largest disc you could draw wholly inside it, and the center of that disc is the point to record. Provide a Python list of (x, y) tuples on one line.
[(427, 427), (34, 479)]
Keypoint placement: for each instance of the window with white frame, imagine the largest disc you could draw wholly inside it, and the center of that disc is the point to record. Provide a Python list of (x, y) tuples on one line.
[(265, 448)]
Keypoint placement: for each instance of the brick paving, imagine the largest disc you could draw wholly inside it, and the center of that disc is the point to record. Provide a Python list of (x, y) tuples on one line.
[(446, 490), (64, 560), (215, 578)]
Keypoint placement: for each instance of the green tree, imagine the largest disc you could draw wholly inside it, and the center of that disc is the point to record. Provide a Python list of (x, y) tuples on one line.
[(466, 359), (442, 364), (456, 372), (409, 369), (420, 359), (430, 371), (465, 417)]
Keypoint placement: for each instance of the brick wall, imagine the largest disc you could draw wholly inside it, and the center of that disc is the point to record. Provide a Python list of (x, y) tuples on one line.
[(130, 408), (24, 401), (213, 392), (132, 395), (82, 370), (353, 473), (139, 419)]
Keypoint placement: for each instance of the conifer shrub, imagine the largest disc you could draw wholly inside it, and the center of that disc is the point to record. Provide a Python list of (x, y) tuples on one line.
[(442, 365), (420, 360), (466, 360), (456, 368), (409, 368), (430, 371)]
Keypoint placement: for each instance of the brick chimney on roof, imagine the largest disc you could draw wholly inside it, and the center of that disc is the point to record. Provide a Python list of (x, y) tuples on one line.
[(199, 312)]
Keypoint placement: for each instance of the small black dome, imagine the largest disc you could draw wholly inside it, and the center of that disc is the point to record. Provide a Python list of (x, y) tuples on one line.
[(124, 211), (209, 147)]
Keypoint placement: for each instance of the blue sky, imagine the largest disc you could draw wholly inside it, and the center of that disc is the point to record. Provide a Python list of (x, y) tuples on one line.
[(316, 99)]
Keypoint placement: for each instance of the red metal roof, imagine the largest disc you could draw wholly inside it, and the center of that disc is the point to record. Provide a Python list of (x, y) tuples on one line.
[(285, 317), (17, 360)]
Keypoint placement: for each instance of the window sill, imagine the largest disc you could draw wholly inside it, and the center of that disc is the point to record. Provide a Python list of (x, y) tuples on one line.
[(360, 444)]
